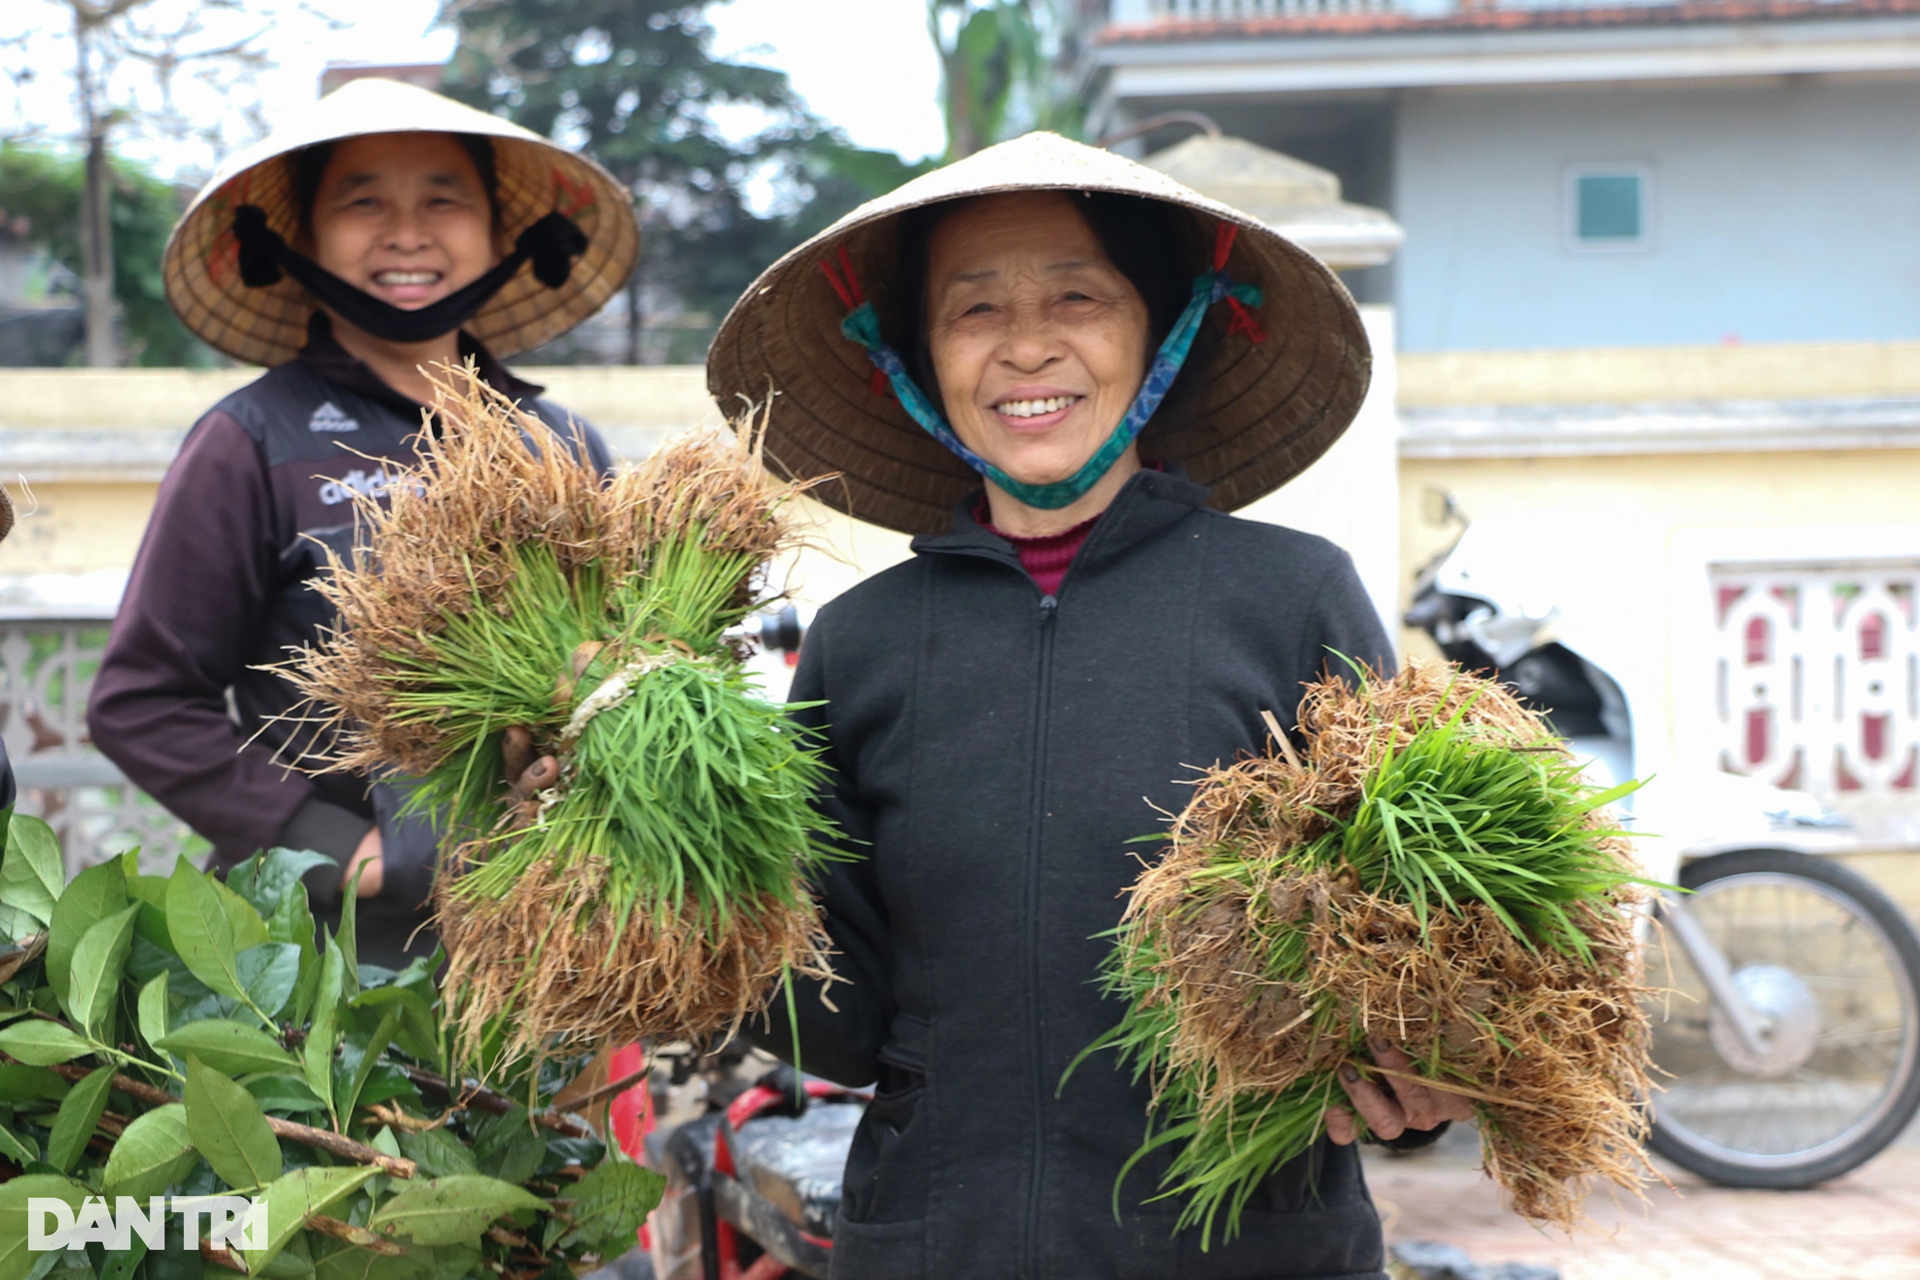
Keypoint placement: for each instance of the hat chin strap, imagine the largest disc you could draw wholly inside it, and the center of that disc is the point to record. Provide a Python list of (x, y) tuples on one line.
[(550, 244), (862, 325)]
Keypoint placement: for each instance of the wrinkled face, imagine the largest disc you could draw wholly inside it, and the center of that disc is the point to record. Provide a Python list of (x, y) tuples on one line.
[(1038, 341), (403, 216)]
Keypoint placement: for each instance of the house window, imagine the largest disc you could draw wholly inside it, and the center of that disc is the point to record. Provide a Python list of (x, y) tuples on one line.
[(1607, 207)]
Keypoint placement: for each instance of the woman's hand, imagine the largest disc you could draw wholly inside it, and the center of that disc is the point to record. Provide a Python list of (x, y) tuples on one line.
[(367, 860), (527, 775), (1409, 1105)]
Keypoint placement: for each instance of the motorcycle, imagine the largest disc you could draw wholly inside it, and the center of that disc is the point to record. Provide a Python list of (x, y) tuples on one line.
[(1787, 1028), (753, 1154)]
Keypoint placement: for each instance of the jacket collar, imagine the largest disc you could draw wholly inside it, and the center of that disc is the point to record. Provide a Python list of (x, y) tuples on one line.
[(1148, 504), (325, 356)]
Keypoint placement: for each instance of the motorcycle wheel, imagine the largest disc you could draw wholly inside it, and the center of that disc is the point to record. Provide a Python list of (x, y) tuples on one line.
[(1833, 968)]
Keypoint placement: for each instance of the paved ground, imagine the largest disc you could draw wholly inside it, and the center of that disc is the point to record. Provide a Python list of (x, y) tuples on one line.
[(1864, 1226)]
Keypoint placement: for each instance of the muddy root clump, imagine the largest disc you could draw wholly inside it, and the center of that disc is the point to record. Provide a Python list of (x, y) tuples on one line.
[(1285, 927)]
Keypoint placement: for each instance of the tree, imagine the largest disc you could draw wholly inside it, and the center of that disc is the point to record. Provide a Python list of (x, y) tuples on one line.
[(47, 188), (728, 166), (998, 64), (127, 58)]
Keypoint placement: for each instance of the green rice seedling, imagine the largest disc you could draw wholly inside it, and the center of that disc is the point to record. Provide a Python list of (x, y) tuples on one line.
[(659, 886), (1435, 872)]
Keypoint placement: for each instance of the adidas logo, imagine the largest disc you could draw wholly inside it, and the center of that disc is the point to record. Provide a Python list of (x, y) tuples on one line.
[(329, 418)]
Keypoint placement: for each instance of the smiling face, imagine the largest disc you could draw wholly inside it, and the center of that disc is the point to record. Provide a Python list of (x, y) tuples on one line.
[(404, 217), (1039, 342)]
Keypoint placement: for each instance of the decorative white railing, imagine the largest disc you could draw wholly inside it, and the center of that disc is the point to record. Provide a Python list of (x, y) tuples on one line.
[(46, 668), (1817, 678)]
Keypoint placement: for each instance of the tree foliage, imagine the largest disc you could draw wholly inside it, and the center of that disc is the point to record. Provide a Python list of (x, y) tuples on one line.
[(44, 186), (998, 71), (182, 1036), (729, 166)]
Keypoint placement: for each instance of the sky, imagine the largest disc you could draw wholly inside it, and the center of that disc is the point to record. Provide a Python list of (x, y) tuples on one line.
[(867, 66)]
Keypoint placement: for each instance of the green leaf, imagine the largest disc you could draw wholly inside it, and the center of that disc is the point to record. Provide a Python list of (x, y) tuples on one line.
[(98, 963), (609, 1204), (451, 1210), (229, 1129), (41, 1044), (155, 1152), (265, 879), (419, 1262), (291, 1264), (249, 926), (268, 972), (228, 1046), (79, 1116), (291, 921), (15, 1261), (148, 889), (508, 1147), (348, 935), (283, 1093), (31, 875), (417, 1033), (124, 1264), (19, 1150), (30, 1084), (95, 894), (438, 1153), (16, 926), (369, 1058), (316, 1057), (294, 1198), (202, 933), (153, 1010)]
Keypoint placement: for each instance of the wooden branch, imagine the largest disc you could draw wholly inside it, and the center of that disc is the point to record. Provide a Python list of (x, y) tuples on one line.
[(372, 1241), (480, 1098), (319, 1139), (609, 1090)]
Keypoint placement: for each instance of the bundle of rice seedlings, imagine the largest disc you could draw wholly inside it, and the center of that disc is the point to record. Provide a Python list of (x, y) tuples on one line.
[(1434, 872), (659, 887)]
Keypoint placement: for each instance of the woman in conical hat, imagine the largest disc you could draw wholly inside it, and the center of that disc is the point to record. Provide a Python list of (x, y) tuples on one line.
[(1060, 369), (386, 230)]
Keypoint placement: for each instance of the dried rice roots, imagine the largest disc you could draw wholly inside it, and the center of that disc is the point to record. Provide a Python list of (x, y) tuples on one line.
[(1551, 1044)]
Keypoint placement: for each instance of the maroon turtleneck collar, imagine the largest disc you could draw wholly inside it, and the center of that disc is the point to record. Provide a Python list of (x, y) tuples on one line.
[(1045, 558)]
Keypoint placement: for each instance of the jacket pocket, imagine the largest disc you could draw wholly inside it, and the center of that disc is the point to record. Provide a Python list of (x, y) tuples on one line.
[(886, 1179), (879, 1250)]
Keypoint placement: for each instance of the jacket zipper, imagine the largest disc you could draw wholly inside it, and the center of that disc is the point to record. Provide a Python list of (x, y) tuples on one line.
[(1043, 690)]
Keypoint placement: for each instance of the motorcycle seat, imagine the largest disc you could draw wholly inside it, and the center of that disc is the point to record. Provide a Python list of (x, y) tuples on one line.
[(796, 1163)]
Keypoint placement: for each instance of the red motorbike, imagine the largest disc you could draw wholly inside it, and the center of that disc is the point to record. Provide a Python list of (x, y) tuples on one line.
[(753, 1179)]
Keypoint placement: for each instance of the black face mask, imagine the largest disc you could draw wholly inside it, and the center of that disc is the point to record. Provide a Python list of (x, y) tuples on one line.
[(551, 244)]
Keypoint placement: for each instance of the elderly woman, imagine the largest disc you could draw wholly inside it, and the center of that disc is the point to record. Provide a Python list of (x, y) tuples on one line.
[(1058, 368), (386, 230)]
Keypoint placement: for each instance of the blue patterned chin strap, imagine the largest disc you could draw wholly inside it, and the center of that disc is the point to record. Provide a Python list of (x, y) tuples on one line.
[(862, 325)]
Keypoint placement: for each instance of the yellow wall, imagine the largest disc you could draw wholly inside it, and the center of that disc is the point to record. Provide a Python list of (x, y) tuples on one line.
[(1643, 501), (76, 528), (1620, 375)]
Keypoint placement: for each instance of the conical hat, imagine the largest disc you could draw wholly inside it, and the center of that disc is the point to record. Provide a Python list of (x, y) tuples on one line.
[(1255, 415), (536, 177)]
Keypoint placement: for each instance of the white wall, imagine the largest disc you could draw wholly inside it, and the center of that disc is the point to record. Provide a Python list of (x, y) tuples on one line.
[(1781, 211), (1352, 494)]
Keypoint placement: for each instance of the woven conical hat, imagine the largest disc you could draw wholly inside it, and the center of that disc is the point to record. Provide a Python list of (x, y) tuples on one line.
[(268, 325), (1255, 415)]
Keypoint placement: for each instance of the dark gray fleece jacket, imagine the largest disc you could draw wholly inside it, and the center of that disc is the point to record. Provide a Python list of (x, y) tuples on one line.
[(994, 753)]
